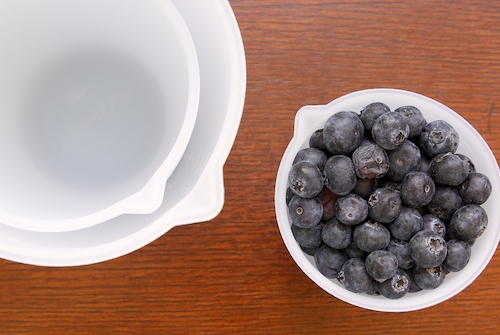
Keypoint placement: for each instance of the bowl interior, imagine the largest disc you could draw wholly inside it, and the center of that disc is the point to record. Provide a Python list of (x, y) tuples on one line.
[(97, 98), (310, 118)]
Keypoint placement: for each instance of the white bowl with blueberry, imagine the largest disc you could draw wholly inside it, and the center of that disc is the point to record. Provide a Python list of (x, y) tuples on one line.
[(381, 196)]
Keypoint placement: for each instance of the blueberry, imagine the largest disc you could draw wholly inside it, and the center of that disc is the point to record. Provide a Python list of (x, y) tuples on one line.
[(429, 278), (308, 251), (390, 130), (370, 160), (392, 185), (448, 169), (365, 187), (414, 118), (469, 222), (352, 251), (311, 155), (458, 256), (476, 189), (339, 175), (468, 161), (384, 205), (329, 261), (351, 209), (370, 236), (328, 200), (343, 133), (434, 224), (408, 222), (445, 202), (308, 237), (438, 137), (371, 112), (305, 179), (402, 160), (401, 249), (417, 189), (381, 265), (425, 164), (413, 285), (336, 234), (316, 140), (395, 287), (427, 249), (305, 212), (289, 195), (354, 277)]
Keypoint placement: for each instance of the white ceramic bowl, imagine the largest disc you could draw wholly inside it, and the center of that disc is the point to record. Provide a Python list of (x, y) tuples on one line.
[(195, 190), (99, 100), (310, 118)]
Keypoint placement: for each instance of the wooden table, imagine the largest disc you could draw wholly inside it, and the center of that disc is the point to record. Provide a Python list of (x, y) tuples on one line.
[(233, 275)]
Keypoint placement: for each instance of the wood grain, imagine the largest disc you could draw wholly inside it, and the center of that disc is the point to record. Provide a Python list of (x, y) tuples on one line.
[(233, 275)]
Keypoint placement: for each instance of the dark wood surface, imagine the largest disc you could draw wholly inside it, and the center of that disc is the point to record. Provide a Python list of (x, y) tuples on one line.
[(233, 275)]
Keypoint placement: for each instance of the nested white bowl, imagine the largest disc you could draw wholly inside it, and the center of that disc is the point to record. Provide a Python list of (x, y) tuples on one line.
[(195, 190), (99, 99), (310, 118)]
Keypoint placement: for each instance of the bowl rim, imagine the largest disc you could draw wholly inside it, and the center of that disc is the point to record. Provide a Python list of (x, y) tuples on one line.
[(310, 118)]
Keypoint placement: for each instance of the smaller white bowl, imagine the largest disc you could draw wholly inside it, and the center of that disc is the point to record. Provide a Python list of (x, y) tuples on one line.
[(99, 99), (311, 118)]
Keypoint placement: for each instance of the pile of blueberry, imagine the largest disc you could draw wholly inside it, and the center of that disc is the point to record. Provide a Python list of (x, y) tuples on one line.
[(383, 202)]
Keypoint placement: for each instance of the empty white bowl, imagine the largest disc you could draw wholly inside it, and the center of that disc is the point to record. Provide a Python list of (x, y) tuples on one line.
[(195, 190), (99, 99), (310, 118)]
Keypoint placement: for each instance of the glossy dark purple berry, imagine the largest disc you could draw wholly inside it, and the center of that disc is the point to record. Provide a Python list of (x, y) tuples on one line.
[(339, 175), (390, 130), (336, 234), (381, 265), (402, 160), (458, 256), (351, 209), (469, 222), (305, 212), (343, 133), (371, 112), (308, 237), (370, 236), (401, 249), (395, 287), (311, 155), (370, 160), (352, 251), (468, 161), (414, 118), (417, 189), (413, 285), (408, 222), (448, 169), (305, 179), (438, 137), (476, 189), (365, 187), (354, 277), (425, 164), (427, 249), (445, 202), (329, 261), (316, 140), (328, 200), (434, 224), (429, 278), (384, 205), (308, 251)]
